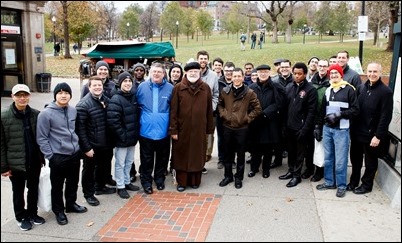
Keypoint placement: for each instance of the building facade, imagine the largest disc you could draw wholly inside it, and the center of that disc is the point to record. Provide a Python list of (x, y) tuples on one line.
[(22, 44)]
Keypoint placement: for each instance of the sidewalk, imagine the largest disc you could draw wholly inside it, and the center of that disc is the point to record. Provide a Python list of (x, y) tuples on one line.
[(262, 210)]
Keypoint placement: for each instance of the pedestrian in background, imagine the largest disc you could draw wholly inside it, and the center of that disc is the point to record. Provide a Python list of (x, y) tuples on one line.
[(59, 143), (21, 158)]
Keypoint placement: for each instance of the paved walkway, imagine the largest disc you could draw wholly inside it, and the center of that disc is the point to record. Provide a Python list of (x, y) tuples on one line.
[(262, 210)]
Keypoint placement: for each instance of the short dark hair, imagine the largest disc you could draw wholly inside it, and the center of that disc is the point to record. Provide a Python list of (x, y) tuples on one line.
[(204, 53), (239, 70), (344, 51), (96, 77), (300, 65), (218, 59), (229, 64)]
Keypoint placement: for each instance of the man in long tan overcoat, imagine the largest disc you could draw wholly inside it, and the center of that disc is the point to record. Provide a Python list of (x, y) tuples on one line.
[(191, 120)]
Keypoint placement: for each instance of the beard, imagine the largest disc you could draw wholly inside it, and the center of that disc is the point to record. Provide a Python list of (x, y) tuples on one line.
[(193, 79)]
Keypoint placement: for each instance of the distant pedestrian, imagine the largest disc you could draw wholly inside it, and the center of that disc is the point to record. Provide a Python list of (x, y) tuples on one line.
[(261, 39), (243, 38), (253, 40), (75, 47), (21, 159)]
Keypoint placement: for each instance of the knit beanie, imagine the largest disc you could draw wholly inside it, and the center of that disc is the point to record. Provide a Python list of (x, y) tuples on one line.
[(122, 76), (337, 68), (100, 64), (62, 87), (137, 65)]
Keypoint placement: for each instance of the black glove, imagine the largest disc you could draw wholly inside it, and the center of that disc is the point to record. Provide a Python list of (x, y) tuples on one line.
[(333, 118), (318, 133)]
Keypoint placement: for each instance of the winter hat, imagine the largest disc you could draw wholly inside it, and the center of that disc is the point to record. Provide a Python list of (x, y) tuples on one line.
[(139, 65), (62, 87), (122, 76), (313, 57), (254, 71), (337, 68), (100, 64), (278, 61), (263, 67), (192, 65)]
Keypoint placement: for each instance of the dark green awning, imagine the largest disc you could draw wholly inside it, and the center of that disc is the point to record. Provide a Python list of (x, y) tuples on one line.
[(127, 50)]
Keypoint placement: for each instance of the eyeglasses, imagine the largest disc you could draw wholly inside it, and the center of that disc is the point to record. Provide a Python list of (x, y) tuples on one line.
[(22, 95)]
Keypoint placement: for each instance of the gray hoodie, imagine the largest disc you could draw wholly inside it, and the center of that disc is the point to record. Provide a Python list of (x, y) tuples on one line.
[(55, 132)]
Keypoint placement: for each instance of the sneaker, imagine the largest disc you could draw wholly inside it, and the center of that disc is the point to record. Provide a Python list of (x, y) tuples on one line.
[(204, 171), (37, 220), (132, 187), (123, 193), (25, 224), (220, 165), (340, 192)]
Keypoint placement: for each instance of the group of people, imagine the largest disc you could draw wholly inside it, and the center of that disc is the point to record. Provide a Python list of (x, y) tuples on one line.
[(173, 114)]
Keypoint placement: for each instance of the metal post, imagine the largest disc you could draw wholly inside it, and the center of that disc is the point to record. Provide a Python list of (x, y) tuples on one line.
[(128, 26), (361, 42), (304, 33), (54, 35), (177, 34)]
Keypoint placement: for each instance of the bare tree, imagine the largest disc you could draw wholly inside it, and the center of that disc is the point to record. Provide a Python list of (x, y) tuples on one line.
[(290, 22), (274, 10), (394, 9), (150, 19)]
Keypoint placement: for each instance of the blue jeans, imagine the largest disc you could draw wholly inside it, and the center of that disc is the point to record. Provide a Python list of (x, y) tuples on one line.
[(124, 158), (336, 150)]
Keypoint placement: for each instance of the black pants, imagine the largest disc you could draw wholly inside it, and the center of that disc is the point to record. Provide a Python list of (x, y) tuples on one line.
[(64, 169), (219, 131), (153, 152), (96, 171), (235, 145), (357, 150), (296, 153), (264, 152), (310, 152), (18, 180)]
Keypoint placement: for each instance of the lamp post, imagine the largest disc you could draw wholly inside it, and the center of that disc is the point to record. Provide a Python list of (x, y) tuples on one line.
[(304, 33), (54, 34), (177, 33), (128, 26)]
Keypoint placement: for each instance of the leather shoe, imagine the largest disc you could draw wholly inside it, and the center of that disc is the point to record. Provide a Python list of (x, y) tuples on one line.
[(238, 183), (306, 174), (275, 164), (286, 176), (105, 190), (75, 208), (92, 200), (251, 174), (61, 218), (361, 190), (350, 187), (180, 188), (266, 174), (194, 186), (225, 181), (293, 182), (132, 187), (148, 190), (315, 178), (323, 187), (160, 187)]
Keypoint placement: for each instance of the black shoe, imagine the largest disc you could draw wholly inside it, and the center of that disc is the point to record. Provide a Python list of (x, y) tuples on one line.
[(361, 190), (220, 165), (37, 220), (286, 176), (61, 218), (133, 179), (341, 192), (275, 164), (251, 174), (225, 181), (306, 174), (238, 183), (323, 187), (180, 188), (123, 193), (105, 190), (148, 190), (75, 208), (132, 187), (160, 186), (111, 182), (293, 182), (25, 224), (92, 200), (350, 187), (194, 186), (316, 178), (266, 174)]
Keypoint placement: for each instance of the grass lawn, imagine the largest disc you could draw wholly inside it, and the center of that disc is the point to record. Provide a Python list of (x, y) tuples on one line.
[(228, 49)]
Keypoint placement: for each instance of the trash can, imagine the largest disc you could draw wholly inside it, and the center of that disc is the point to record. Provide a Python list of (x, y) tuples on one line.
[(43, 82)]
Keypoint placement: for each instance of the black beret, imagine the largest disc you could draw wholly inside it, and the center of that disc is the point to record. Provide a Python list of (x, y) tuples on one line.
[(263, 67), (192, 65), (278, 61)]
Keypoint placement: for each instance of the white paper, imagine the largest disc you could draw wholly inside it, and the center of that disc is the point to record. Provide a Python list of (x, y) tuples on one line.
[(10, 57)]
